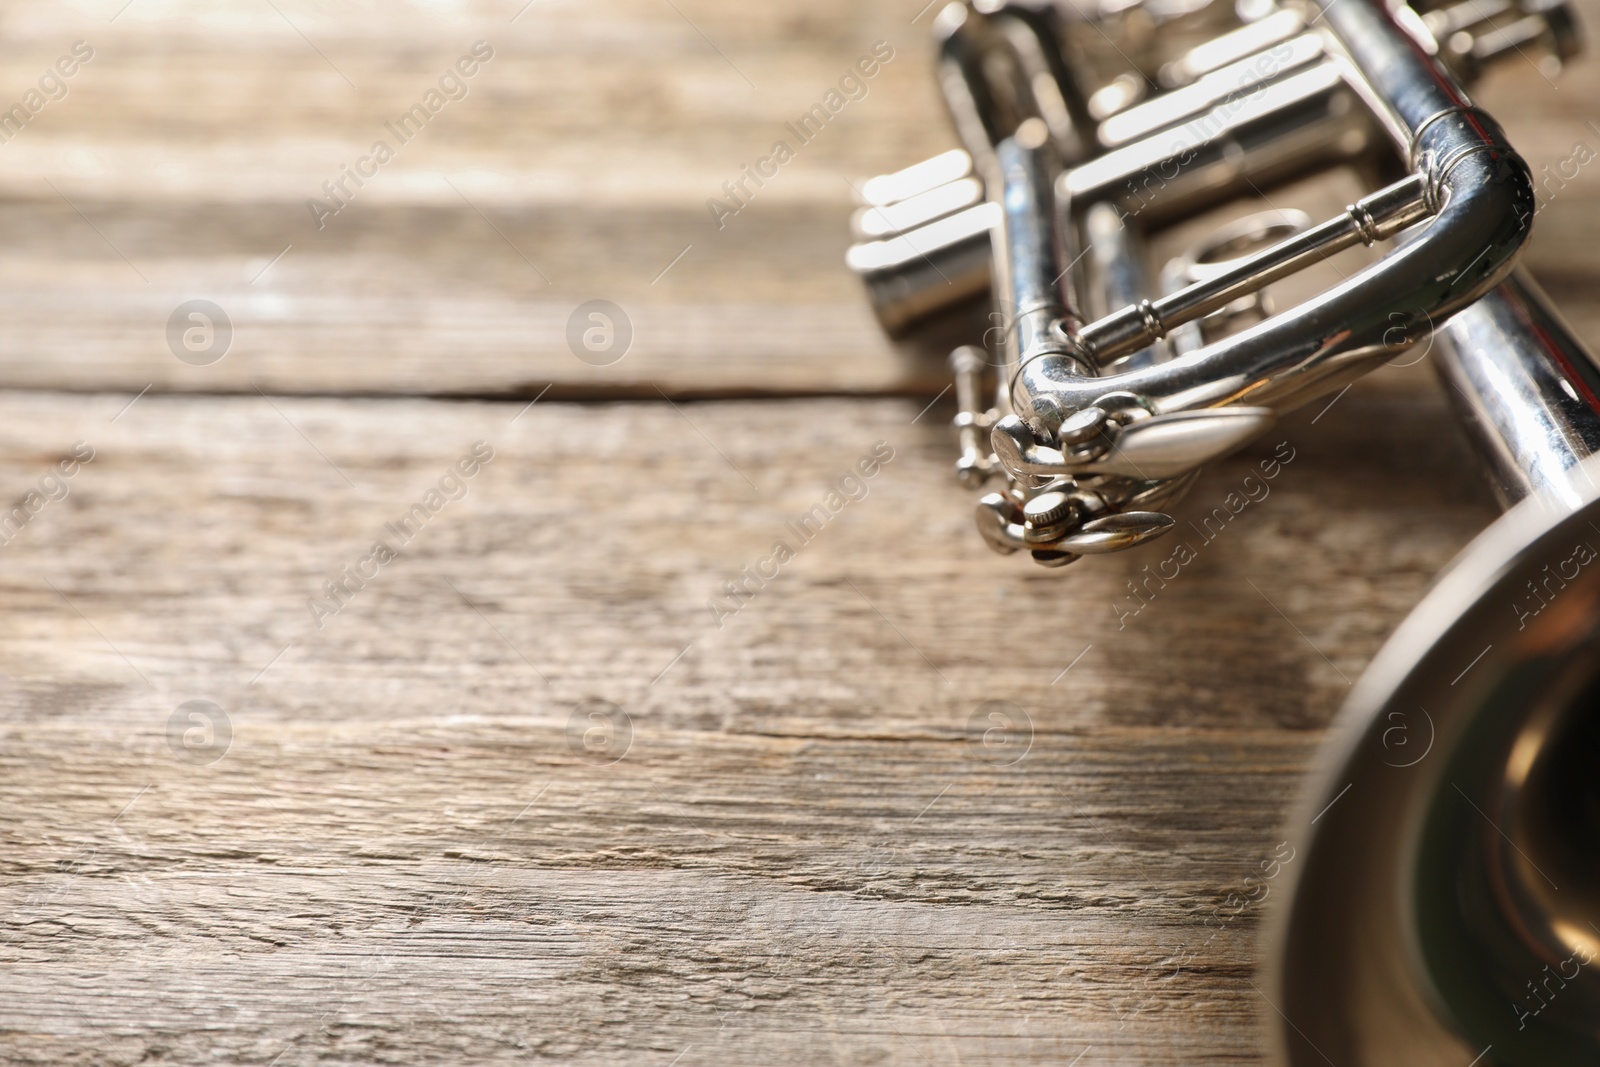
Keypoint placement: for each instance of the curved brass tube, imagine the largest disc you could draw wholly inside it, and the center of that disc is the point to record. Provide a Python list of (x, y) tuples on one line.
[(1481, 198)]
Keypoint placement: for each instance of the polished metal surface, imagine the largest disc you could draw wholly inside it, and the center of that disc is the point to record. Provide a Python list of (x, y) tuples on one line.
[(1527, 389), (1221, 251), (1070, 196), (1445, 905), (1114, 274), (1032, 256), (1373, 218), (1446, 910)]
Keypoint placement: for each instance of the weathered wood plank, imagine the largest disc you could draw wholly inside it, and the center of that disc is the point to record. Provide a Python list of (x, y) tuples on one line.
[(577, 167), (807, 853)]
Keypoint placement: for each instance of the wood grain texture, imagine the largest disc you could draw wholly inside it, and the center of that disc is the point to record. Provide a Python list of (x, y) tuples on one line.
[(807, 855), (817, 846), (577, 168)]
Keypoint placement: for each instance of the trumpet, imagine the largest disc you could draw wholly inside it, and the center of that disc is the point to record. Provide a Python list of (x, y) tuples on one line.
[(1426, 925)]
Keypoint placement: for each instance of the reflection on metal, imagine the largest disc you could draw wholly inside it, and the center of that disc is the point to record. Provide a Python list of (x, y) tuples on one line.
[(1449, 902)]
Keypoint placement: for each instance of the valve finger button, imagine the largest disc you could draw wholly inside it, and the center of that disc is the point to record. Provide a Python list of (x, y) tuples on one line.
[(1082, 426), (1046, 509), (1047, 515)]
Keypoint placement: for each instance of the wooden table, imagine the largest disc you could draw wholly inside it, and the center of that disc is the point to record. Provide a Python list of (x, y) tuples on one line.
[(525, 793)]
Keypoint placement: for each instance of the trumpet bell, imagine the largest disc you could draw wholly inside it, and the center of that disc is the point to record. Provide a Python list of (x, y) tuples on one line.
[(1447, 910)]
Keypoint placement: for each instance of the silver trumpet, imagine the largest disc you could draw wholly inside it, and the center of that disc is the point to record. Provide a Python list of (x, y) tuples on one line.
[(1446, 906)]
